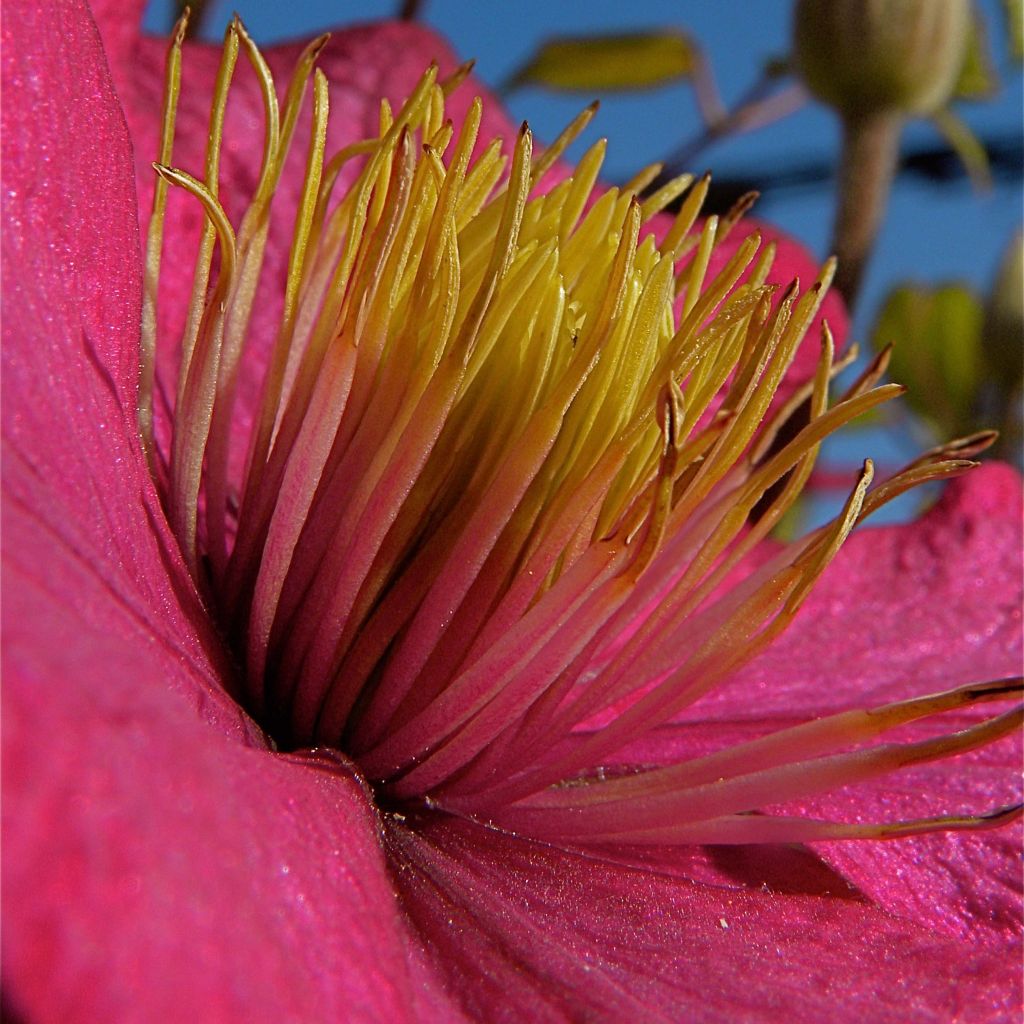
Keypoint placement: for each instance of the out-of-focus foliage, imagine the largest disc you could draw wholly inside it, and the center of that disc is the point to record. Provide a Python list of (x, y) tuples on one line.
[(961, 355), (590, 64), (936, 334), (1014, 13), (1004, 317), (1004, 350), (968, 148), (978, 79)]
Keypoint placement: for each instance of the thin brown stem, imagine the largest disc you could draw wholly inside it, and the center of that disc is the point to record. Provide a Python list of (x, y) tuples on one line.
[(762, 104), (866, 171)]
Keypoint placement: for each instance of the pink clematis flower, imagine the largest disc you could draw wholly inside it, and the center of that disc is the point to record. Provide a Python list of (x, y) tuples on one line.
[(163, 861)]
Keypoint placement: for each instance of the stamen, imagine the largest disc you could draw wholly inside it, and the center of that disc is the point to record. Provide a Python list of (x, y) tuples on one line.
[(194, 412), (629, 807), (154, 243), (498, 476), (204, 256)]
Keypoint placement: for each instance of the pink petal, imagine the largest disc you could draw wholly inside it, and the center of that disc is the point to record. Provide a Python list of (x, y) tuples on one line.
[(71, 292), (120, 26), (904, 610), (528, 932), (155, 869), (159, 863), (963, 885)]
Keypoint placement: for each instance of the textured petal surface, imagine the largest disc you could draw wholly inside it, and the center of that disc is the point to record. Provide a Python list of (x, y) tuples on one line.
[(159, 862), (527, 932), (961, 885), (72, 286)]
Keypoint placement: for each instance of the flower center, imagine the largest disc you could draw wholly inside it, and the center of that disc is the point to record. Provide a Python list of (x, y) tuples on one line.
[(477, 528)]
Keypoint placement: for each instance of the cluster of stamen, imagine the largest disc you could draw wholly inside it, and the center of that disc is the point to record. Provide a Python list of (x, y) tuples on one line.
[(506, 455)]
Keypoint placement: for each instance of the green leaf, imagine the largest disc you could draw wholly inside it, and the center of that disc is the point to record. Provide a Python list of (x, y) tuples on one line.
[(936, 334), (611, 63), (1004, 320), (1004, 351), (978, 79)]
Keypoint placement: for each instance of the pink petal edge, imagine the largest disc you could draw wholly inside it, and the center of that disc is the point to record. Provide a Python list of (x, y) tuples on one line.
[(157, 864)]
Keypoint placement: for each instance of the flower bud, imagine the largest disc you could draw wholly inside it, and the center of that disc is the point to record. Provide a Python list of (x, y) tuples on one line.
[(867, 56)]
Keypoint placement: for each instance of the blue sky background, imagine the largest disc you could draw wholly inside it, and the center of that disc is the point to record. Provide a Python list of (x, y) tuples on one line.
[(932, 232)]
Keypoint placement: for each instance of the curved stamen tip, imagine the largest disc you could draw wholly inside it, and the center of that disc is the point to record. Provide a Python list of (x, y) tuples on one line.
[(999, 689), (318, 44), (1001, 816), (972, 444), (181, 27), (957, 823)]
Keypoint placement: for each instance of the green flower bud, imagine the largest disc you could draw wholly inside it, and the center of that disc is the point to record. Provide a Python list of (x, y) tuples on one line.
[(868, 56)]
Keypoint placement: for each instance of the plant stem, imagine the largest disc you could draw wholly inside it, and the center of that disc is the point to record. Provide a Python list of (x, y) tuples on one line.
[(866, 171), (762, 104)]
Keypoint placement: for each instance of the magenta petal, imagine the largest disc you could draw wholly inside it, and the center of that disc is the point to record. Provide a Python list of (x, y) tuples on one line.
[(904, 610), (528, 932), (73, 473), (120, 26), (967, 886), (156, 870), (159, 863)]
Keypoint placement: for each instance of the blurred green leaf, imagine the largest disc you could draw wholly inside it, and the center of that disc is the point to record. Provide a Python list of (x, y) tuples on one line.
[(967, 147), (1004, 319), (1013, 12), (611, 63), (978, 79), (1004, 351), (936, 335)]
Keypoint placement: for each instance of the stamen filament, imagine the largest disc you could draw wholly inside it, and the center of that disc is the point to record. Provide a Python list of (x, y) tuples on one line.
[(507, 457), (154, 243)]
